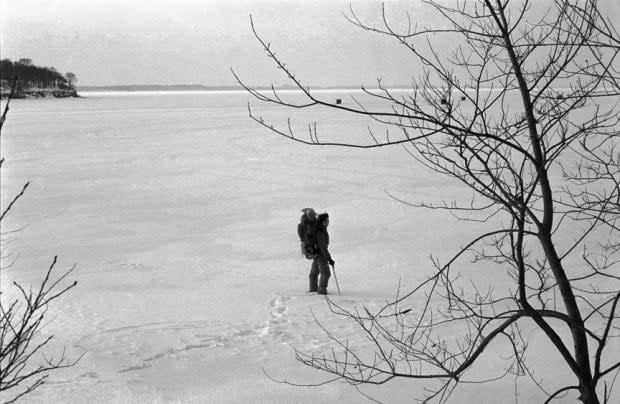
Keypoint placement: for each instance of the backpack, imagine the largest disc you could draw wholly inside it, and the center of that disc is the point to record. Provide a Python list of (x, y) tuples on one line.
[(306, 230)]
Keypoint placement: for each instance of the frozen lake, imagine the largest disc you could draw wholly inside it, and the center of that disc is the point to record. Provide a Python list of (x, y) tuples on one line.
[(181, 214)]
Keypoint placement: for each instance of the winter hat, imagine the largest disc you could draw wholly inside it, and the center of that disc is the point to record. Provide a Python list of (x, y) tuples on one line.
[(310, 213)]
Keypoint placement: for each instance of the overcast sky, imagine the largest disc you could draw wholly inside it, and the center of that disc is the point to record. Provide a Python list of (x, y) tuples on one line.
[(109, 42), (196, 41)]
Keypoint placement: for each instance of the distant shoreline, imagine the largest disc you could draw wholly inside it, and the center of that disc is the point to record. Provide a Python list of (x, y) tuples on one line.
[(199, 87), (164, 87), (236, 88), (156, 87)]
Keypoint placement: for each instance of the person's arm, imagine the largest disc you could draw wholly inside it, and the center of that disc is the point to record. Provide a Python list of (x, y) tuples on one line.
[(322, 244)]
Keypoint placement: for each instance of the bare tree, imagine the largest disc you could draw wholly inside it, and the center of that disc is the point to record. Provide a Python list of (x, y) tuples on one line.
[(524, 112), (71, 79), (22, 316)]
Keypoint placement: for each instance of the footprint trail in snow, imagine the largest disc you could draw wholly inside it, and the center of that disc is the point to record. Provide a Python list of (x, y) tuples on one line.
[(133, 348)]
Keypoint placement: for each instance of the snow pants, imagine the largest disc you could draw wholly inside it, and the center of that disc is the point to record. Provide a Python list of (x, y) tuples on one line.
[(319, 275)]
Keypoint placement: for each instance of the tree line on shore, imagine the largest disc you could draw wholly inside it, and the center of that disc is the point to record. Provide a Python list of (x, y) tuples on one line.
[(29, 75)]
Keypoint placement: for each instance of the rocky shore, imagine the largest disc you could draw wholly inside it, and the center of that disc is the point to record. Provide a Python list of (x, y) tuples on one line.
[(40, 93)]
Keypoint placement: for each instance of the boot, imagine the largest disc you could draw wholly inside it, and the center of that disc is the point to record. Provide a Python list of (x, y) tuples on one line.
[(314, 286), (323, 281)]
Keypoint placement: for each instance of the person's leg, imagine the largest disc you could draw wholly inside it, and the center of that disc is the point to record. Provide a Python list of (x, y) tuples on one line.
[(314, 276), (324, 278)]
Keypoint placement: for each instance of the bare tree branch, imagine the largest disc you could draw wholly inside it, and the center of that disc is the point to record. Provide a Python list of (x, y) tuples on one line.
[(524, 112)]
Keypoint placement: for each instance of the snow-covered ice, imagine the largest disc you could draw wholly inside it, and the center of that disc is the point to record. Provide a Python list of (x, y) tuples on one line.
[(180, 214)]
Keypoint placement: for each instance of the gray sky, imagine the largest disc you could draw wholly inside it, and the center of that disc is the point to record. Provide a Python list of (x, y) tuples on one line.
[(196, 41), (109, 42)]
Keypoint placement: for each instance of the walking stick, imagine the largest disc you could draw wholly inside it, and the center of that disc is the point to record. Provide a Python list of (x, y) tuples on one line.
[(336, 278)]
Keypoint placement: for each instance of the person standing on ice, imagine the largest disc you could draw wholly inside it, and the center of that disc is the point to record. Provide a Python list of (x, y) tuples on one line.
[(319, 272)]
